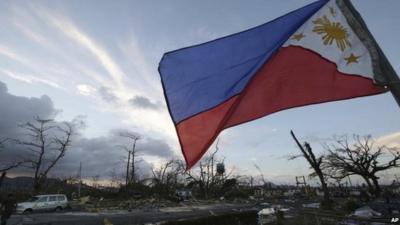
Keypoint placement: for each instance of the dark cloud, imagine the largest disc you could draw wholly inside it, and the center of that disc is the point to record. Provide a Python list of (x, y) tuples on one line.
[(117, 133), (15, 110), (145, 145), (99, 155), (102, 155), (156, 147), (3, 87), (145, 103), (107, 95)]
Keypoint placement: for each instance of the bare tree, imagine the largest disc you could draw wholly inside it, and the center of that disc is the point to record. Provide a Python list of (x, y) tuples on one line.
[(316, 164), (207, 177), (261, 174), (161, 175), (127, 177), (167, 177), (360, 158), (115, 178), (47, 143), (132, 155), (95, 181)]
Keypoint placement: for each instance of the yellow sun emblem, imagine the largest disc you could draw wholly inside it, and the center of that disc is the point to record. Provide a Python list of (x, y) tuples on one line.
[(332, 31)]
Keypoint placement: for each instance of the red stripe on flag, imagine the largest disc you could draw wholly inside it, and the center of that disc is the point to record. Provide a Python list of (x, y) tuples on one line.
[(293, 77), (199, 132)]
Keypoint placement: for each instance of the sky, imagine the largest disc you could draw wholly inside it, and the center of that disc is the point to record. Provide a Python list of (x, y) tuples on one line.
[(97, 60)]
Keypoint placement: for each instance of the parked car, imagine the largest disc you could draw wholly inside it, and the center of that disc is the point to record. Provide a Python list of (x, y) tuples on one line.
[(56, 202)]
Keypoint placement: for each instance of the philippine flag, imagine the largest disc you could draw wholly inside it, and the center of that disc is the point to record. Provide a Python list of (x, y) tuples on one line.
[(319, 53)]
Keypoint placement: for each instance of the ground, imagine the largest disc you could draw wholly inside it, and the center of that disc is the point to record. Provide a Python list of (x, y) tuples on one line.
[(124, 217)]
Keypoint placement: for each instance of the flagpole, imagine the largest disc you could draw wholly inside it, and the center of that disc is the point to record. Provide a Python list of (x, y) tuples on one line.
[(393, 83), (392, 79), (389, 78)]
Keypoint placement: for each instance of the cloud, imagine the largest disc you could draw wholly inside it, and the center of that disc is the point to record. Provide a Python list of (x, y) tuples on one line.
[(85, 89), (99, 155), (35, 28), (74, 33), (71, 55), (15, 110), (14, 56), (134, 53), (28, 78), (143, 102), (390, 140), (148, 146), (156, 147), (89, 66), (107, 95)]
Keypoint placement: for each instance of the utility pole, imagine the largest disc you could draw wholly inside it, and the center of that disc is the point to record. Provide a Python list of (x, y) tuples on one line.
[(127, 169), (80, 179), (133, 158), (131, 154)]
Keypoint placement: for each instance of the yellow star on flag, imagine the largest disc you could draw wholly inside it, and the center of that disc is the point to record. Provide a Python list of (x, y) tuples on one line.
[(352, 59), (298, 37)]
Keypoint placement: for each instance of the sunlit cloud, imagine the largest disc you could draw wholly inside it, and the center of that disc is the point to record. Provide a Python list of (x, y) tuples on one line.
[(390, 140), (133, 52), (144, 76), (28, 78), (24, 62), (74, 33), (33, 28), (85, 89), (32, 34), (48, 30), (13, 56)]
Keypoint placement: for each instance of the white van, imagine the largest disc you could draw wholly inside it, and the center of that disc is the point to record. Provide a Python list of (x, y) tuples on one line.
[(43, 203)]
